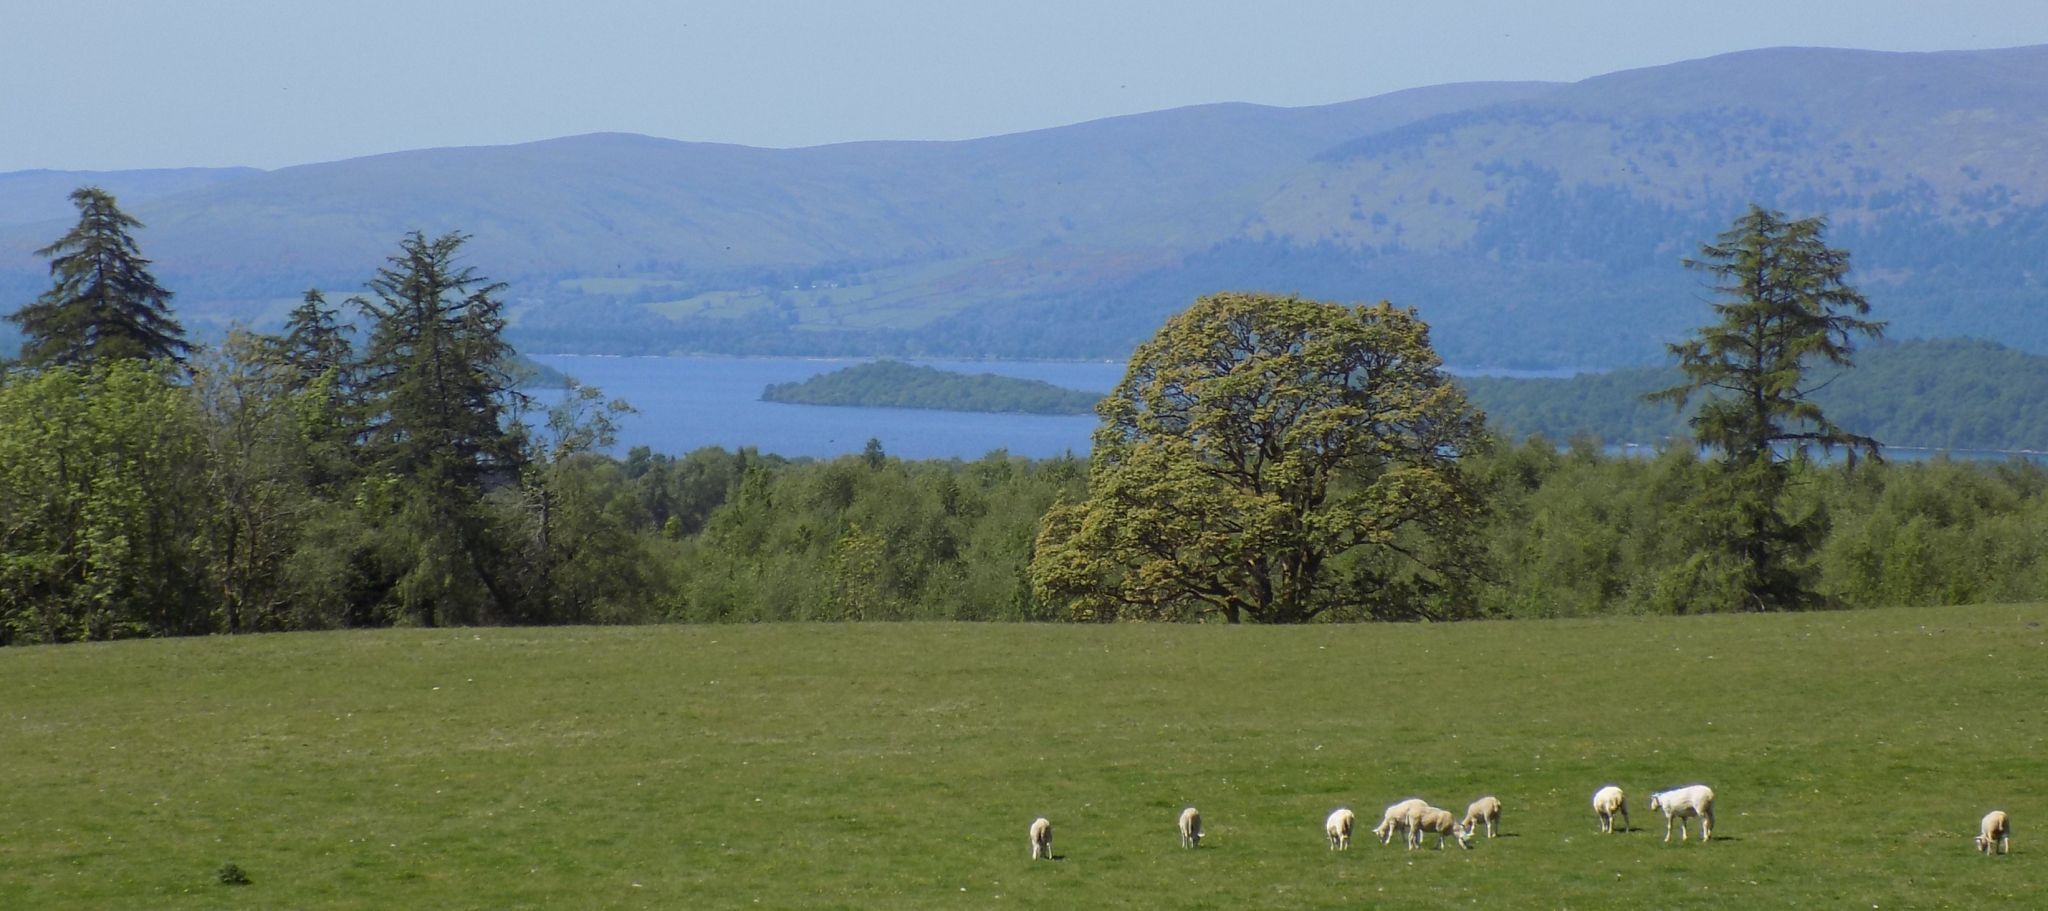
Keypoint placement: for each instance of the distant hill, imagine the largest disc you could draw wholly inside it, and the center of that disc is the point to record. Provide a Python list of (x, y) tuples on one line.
[(894, 384), (1533, 224), (29, 197), (1924, 394)]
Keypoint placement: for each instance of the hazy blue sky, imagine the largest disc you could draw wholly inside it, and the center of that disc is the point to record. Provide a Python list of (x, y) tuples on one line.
[(102, 84)]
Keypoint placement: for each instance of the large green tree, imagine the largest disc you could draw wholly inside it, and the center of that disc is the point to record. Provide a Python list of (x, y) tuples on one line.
[(441, 435), (102, 489), (1786, 308), (104, 304), (1275, 460)]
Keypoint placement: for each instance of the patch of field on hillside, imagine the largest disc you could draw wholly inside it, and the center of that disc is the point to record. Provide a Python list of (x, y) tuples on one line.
[(897, 766)]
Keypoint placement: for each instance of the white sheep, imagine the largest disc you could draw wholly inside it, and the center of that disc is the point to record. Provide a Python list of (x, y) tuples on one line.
[(1995, 831), (1440, 823), (1338, 827), (1608, 801), (1486, 810), (1680, 804), (1041, 838), (1190, 828), (1399, 816)]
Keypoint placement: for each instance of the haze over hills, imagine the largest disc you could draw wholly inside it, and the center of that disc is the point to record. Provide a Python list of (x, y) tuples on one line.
[(1533, 224)]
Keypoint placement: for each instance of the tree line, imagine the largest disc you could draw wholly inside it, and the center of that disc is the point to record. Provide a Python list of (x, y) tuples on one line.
[(1266, 459), (151, 487)]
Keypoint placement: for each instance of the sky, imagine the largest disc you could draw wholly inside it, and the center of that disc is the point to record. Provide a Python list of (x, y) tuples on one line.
[(122, 84)]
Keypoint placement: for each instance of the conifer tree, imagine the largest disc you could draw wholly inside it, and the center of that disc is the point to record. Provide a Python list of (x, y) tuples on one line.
[(313, 344), (313, 365), (1787, 307), (439, 434), (104, 304)]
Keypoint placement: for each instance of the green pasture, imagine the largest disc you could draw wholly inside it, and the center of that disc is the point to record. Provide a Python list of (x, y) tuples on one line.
[(898, 766)]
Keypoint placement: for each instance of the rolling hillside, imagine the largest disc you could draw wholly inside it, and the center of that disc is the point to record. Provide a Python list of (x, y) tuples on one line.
[(1534, 224)]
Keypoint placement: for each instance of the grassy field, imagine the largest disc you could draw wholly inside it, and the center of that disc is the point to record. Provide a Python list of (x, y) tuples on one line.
[(897, 766)]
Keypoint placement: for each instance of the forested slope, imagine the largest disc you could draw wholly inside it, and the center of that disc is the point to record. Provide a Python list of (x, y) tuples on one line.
[(1922, 394)]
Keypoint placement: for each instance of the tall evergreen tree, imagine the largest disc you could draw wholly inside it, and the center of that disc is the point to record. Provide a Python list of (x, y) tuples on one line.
[(104, 305), (440, 435), (314, 344), (313, 365), (1787, 307)]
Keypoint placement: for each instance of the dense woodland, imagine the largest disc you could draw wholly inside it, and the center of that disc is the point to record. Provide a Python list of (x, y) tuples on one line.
[(376, 464)]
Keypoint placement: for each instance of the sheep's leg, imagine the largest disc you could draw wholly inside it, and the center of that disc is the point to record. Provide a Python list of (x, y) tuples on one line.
[(1707, 825)]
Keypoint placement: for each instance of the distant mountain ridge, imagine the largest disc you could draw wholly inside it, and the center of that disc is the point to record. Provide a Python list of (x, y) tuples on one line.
[(1534, 224)]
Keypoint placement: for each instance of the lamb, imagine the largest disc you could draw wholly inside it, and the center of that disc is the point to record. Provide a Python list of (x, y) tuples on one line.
[(1994, 831), (1485, 809), (1041, 838), (1440, 822), (1680, 803), (1608, 801), (1399, 816), (1338, 827), (1190, 828)]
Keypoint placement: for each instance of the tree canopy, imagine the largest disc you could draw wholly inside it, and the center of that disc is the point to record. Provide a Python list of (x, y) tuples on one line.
[(1277, 460), (104, 304)]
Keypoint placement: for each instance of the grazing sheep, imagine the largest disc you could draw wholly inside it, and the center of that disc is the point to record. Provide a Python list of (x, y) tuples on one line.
[(1338, 827), (1441, 823), (1485, 809), (1995, 830), (1190, 828), (1608, 801), (1399, 816), (1041, 838), (1680, 803)]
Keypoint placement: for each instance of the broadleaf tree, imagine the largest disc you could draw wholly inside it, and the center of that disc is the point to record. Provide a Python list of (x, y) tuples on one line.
[(1274, 460), (103, 304), (1786, 311)]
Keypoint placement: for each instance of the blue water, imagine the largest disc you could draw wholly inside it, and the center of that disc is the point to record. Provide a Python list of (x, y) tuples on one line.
[(686, 403)]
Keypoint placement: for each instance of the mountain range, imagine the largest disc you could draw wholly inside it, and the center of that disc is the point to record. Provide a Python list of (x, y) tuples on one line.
[(1533, 224)]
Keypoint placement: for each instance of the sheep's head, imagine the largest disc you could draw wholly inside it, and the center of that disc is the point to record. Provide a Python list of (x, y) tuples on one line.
[(1656, 801)]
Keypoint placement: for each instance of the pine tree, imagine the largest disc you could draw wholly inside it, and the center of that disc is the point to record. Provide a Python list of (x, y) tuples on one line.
[(104, 305), (1787, 307), (313, 345), (314, 365), (439, 431)]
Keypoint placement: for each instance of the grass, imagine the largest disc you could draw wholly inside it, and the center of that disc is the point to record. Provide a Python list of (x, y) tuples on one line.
[(897, 766)]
